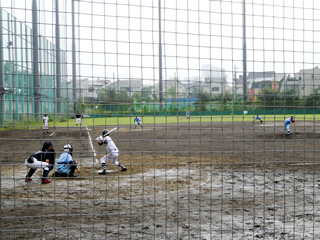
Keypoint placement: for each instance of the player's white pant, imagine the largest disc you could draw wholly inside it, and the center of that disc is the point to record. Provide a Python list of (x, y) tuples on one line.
[(137, 123), (113, 156), (36, 164), (45, 126), (78, 121), (287, 127)]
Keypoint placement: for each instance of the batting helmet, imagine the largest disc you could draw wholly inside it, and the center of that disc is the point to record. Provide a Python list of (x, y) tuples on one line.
[(46, 145), (105, 133), (68, 148)]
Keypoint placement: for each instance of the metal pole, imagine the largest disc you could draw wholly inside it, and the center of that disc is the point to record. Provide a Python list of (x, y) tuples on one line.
[(244, 52), (160, 56), (1, 75), (58, 65), (74, 69), (35, 49), (1, 107)]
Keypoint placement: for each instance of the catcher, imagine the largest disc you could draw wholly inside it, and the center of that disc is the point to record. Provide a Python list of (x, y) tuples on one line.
[(42, 159), (287, 123), (112, 152), (66, 166)]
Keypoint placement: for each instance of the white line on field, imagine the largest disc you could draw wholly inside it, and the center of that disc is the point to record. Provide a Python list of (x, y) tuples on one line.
[(52, 134), (94, 151)]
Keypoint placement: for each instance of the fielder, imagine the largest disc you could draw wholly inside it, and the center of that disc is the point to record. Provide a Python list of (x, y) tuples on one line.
[(45, 121), (43, 159), (66, 166), (257, 118), (78, 118), (112, 152), (187, 114), (137, 121), (287, 123)]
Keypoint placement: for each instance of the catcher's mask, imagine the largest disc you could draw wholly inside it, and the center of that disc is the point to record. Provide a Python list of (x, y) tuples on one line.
[(68, 148)]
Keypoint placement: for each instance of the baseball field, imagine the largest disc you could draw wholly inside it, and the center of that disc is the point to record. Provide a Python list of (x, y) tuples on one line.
[(202, 178)]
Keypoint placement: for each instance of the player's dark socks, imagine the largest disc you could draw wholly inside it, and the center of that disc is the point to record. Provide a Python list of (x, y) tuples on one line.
[(45, 174), (31, 172), (123, 168)]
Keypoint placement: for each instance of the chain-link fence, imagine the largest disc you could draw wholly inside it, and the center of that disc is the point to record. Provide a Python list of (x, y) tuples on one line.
[(158, 119)]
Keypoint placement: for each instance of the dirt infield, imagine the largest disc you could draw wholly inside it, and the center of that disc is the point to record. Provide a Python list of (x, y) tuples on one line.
[(233, 180)]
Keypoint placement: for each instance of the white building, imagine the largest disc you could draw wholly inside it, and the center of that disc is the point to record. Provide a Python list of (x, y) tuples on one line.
[(89, 87), (310, 80)]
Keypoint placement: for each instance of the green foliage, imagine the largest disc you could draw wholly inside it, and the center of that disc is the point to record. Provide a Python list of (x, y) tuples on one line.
[(112, 96), (202, 99), (290, 97), (268, 97), (271, 98), (137, 98), (23, 121), (172, 93), (313, 100), (60, 118), (223, 99), (81, 106)]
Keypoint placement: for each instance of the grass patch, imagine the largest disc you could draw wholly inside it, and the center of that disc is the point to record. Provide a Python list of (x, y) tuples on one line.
[(116, 121)]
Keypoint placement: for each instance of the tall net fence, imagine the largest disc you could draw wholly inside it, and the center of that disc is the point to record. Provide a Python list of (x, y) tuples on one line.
[(157, 119)]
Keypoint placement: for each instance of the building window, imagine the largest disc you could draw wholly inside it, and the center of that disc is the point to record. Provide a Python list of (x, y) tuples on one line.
[(215, 89), (125, 89), (90, 89)]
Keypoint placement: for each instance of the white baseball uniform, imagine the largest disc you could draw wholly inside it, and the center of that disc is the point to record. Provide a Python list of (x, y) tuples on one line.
[(36, 164), (45, 121), (112, 152)]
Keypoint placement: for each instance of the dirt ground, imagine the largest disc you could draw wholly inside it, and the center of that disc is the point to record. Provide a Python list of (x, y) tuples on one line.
[(215, 180)]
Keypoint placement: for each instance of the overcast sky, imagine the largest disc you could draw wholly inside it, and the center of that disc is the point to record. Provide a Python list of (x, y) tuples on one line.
[(120, 37)]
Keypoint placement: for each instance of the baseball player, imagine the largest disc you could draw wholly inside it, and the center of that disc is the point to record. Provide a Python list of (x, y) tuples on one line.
[(42, 159), (287, 123), (78, 118), (187, 114), (45, 121), (137, 121), (66, 166), (112, 152), (257, 118)]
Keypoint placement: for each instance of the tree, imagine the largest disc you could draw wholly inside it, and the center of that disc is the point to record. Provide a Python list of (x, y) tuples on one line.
[(289, 97), (202, 99), (313, 100), (109, 95), (271, 98), (268, 97)]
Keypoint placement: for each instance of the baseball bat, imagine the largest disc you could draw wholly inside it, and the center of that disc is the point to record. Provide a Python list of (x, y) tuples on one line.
[(112, 130)]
